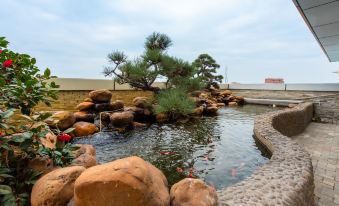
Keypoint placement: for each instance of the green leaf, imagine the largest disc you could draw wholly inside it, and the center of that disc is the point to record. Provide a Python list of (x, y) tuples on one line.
[(69, 130), (5, 190)]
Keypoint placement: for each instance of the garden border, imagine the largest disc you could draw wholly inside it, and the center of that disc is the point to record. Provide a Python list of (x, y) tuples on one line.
[(287, 179)]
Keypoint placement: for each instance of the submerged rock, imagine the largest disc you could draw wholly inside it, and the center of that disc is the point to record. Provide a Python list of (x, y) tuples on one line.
[(127, 181), (193, 192), (55, 188), (84, 129), (121, 119), (101, 95)]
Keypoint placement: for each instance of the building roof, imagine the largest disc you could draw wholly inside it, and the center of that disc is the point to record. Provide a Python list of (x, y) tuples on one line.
[(322, 17)]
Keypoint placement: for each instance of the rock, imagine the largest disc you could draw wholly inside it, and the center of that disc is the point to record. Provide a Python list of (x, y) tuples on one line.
[(141, 102), (55, 188), (105, 116), (84, 116), (49, 140), (292, 105), (240, 100), (88, 100), (124, 182), (140, 114), (199, 110), (85, 156), (226, 93), (103, 107), (162, 117), (101, 95), (215, 92), (213, 109), (193, 192), (84, 129), (117, 105), (85, 106), (63, 120), (203, 96), (138, 124), (41, 164), (220, 105), (121, 119), (232, 104)]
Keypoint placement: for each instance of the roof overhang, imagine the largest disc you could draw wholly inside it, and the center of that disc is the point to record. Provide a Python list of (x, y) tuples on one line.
[(322, 17)]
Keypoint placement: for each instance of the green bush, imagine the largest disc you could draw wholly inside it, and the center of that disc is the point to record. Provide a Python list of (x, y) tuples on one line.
[(175, 102)]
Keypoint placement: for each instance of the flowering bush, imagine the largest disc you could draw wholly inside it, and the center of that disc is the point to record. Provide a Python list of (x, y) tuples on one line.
[(22, 86)]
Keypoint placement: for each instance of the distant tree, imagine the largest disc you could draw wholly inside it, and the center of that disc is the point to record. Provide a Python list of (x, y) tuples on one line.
[(154, 63), (206, 67)]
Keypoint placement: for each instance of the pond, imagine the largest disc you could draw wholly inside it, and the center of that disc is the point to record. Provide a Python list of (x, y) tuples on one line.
[(218, 149)]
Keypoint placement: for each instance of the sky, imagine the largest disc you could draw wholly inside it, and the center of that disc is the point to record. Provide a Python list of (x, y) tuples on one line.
[(254, 39)]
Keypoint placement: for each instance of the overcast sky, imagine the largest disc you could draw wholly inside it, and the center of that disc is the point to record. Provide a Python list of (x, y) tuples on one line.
[(255, 39)]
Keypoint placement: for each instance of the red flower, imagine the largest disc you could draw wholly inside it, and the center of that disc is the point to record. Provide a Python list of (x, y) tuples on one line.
[(7, 63), (64, 137), (0, 51)]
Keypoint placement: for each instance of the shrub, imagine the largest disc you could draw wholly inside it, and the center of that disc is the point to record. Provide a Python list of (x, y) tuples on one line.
[(175, 102), (22, 86)]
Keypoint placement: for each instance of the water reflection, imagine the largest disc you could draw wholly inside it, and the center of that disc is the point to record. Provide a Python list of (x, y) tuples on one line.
[(218, 149)]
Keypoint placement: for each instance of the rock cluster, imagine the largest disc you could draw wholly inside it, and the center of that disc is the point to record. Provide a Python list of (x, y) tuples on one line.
[(208, 102), (127, 181)]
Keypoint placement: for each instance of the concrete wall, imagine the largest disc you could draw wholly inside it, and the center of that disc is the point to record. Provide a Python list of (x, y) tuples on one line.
[(287, 179)]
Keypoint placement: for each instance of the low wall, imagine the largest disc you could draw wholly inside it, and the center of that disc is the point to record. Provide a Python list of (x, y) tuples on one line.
[(69, 99), (287, 179)]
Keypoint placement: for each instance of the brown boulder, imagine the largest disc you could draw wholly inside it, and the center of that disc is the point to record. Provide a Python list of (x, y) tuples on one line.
[(240, 100), (41, 164), (232, 104), (193, 192), (199, 110), (55, 188), (84, 116), (226, 93), (213, 109), (162, 117), (117, 105), (121, 119), (85, 156), (49, 140), (219, 105), (63, 120), (128, 181), (138, 124), (84, 129), (88, 99), (141, 102), (85, 106), (101, 95)]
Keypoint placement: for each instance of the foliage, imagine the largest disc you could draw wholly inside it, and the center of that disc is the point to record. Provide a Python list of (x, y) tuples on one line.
[(206, 67), (152, 64), (21, 84), (174, 102)]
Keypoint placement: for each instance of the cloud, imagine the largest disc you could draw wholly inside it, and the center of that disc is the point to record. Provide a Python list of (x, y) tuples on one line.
[(259, 37)]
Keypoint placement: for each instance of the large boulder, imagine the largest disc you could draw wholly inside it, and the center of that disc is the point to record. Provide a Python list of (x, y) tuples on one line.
[(85, 106), (63, 120), (84, 129), (140, 114), (101, 95), (55, 188), (84, 116), (141, 102), (211, 110), (121, 119), (85, 156), (193, 192), (128, 181), (116, 105), (162, 117)]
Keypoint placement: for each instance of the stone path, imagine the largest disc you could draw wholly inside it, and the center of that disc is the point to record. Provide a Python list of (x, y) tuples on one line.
[(322, 142)]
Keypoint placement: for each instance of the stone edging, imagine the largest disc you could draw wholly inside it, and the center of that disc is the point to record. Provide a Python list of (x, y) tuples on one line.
[(287, 179)]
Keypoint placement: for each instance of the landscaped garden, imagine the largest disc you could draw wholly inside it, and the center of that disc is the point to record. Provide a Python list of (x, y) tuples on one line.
[(183, 144)]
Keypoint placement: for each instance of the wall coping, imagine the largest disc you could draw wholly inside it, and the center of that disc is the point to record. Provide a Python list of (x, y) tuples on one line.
[(287, 179)]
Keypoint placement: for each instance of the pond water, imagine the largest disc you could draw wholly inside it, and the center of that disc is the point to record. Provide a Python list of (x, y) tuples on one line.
[(219, 149)]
